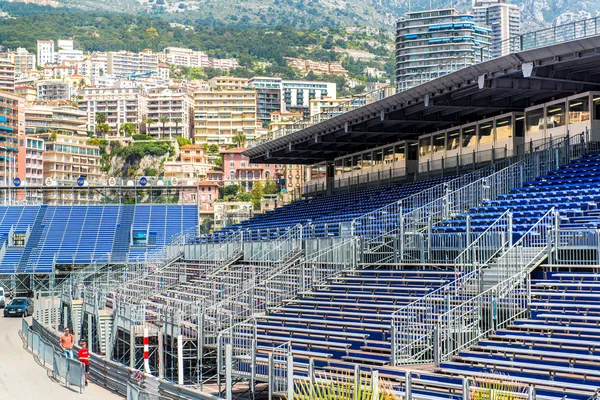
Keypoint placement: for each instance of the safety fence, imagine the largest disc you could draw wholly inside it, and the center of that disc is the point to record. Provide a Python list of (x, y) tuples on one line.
[(69, 370), (113, 376)]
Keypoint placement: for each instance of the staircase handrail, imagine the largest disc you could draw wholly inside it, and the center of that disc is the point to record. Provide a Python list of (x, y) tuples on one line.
[(404, 320), (420, 223), (513, 284), (285, 283), (163, 253), (2, 251)]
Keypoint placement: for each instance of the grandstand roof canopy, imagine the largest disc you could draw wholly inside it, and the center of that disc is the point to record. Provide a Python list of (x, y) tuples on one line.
[(509, 83)]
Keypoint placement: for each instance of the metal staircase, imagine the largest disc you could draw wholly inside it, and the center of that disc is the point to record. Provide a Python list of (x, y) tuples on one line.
[(123, 234), (33, 240)]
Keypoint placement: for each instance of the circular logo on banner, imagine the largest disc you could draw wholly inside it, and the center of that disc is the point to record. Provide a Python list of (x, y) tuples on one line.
[(17, 182), (174, 181), (143, 181), (49, 181), (80, 181), (112, 181)]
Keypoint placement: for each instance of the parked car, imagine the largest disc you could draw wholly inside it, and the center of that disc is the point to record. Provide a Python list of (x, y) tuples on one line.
[(2, 298), (19, 307)]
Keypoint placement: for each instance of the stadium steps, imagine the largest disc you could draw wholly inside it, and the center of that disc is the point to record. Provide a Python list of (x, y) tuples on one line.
[(34, 239), (123, 234)]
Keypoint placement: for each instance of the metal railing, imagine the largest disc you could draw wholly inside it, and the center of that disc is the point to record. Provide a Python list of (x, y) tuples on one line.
[(474, 318), (270, 289), (413, 325), (278, 250), (550, 156), (577, 247), (233, 320)]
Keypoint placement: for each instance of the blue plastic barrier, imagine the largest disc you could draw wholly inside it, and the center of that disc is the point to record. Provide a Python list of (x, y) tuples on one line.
[(75, 374)]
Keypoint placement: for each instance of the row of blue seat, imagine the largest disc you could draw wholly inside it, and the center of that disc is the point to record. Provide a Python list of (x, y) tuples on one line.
[(84, 234)]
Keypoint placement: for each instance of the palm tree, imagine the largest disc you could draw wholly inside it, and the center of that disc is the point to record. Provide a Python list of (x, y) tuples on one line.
[(100, 119), (148, 121), (103, 129), (163, 120), (127, 129), (177, 121), (240, 139)]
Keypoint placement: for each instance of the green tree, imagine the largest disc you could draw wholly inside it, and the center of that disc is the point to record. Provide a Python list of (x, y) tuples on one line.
[(239, 139), (213, 149), (100, 118), (177, 121), (163, 120), (257, 192), (102, 129), (148, 121), (270, 187), (127, 129), (181, 141), (231, 190)]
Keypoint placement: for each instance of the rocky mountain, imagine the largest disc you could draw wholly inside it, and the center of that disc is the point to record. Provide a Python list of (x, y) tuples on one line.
[(314, 13)]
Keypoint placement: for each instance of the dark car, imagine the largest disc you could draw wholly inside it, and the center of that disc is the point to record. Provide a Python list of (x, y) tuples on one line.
[(19, 307)]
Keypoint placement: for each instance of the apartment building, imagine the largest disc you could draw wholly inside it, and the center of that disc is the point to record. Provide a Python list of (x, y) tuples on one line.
[(268, 97), (505, 21), (30, 161), (225, 64), (28, 92), (53, 90), (434, 43), (46, 118), (238, 170), (185, 57), (325, 108), (174, 105), (66, 52), (208, 194), (7, 76), (125, 64), (316, 67), (193, 163), (294, 177), (22, 60), (119, 106), (94, 65), (297, 94), (231, 212), (220, 115), (45, 52), (12, 126), (227, 83), (68, 156)]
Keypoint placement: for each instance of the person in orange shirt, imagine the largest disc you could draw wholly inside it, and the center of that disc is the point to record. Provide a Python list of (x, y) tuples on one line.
[(84, 357), (66, 343)]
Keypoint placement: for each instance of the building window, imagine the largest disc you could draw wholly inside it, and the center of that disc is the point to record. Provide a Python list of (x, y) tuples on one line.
[(232, 176)]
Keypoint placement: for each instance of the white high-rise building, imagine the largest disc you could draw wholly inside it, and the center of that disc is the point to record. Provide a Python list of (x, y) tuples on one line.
[(125, 64), (434, 43), (505, 21), (45, 52)]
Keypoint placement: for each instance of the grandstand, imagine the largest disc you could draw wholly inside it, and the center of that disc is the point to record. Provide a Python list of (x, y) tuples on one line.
[(44, 241), (475, 260)]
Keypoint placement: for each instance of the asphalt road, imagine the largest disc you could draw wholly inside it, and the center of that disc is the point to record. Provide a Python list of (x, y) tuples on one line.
[(22, 378)]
